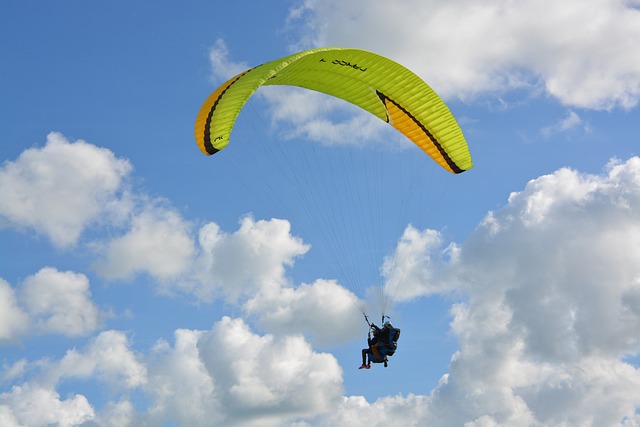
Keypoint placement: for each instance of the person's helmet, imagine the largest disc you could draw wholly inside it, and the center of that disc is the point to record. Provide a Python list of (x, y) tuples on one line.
[(387, 323)]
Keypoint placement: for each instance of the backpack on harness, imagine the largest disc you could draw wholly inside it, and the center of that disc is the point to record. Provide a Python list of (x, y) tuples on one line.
[(390, 345)]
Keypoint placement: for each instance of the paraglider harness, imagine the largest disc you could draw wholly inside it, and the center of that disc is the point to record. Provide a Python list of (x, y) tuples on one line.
[(384, 342)]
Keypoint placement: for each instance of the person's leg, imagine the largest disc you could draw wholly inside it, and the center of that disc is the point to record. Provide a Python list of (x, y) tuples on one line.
[(364, 365)]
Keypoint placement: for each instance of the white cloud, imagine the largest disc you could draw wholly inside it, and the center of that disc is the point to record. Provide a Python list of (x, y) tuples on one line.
[(62, 188), (582, 52), (116, 414), (553, 286), (580, 239), (59, 302), (265, 380), (248, 263), (13, 320), (107, 358), (48, 302), (34, 405), (570, 122), (158, 243), (231, 376), (181, 387), (240, 264), (6, 417), (323, 310), (222, 67), (410, 269), (13, 371), (355, 411)]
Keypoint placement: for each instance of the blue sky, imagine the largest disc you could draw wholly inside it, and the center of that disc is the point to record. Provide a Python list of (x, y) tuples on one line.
[(143, 283)]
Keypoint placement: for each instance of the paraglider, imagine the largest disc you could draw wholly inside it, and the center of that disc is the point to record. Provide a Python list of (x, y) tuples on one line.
[(376, 84), (381, 346)]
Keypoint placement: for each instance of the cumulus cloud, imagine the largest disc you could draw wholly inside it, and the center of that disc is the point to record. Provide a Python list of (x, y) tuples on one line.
[(158, 243), (248, 264), (264, 380), (574, 239), (232, 376), (48, 302), (417, 257), (180, 385), (6, 417), (62, 188), (240, 264), (34, 405), (465, 48), (323, 310), (116, 414), (228, 375), (13, 320), (59, 302), (356, 411), (106, 358)]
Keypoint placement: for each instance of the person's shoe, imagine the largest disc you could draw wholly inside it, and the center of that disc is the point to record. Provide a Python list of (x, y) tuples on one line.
[(363, 366)]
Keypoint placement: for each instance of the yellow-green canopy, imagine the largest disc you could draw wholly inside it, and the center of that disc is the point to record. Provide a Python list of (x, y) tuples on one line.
[(377, 84)]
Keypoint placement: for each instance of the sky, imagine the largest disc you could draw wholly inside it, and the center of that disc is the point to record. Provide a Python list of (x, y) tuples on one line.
[(145, 284)]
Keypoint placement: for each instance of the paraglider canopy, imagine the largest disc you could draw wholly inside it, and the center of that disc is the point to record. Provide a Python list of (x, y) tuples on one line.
[(377, 84)]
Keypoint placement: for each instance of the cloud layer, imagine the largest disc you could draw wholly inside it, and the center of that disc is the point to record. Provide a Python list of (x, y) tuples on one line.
[(228, 375), (545, 305)]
